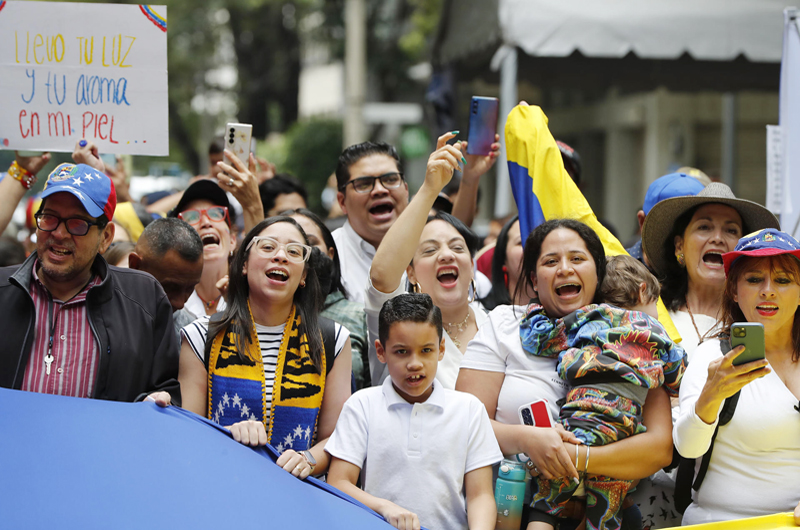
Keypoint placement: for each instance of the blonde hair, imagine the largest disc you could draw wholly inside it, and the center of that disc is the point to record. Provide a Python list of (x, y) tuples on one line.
[(624, 276)]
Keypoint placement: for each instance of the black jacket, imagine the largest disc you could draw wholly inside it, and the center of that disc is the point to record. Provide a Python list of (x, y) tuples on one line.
[(130, 317)]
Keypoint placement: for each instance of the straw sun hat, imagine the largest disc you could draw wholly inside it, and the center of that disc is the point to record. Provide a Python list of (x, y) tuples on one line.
[(659, 223)]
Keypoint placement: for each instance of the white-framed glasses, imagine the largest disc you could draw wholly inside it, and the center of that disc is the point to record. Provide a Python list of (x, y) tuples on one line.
[(268, 247)]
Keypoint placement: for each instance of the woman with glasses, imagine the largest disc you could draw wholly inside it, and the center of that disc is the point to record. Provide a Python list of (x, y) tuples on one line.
[(204, 205), (268, 367), (439, 250)]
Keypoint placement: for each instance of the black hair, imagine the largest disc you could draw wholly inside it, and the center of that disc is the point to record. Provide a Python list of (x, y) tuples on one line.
[(408, 307), (356, 152), (533, 249), (171, 233), (237, 318), (499, 294), (216, 146), (12, 252), (469, 236), (327, 238), (280, 184), (675, 282)]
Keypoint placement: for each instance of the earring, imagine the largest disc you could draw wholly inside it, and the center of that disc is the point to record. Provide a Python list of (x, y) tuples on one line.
[(416, 288), (302, 283), (474, 292), (681, 260)]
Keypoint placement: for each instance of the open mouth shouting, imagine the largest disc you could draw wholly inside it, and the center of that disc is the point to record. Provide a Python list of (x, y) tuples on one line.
[(278, 275), (382, 210), (568, 290), (209, 239), (713, 259), (58, 253), (447, 276)]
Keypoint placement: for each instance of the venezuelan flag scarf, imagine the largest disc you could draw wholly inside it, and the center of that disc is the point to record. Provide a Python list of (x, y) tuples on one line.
[(237, 388)]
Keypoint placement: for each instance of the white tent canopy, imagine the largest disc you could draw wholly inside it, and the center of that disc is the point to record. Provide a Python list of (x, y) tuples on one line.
[(718, 30)]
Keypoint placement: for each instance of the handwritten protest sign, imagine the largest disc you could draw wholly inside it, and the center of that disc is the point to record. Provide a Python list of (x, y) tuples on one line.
[(73, 70)]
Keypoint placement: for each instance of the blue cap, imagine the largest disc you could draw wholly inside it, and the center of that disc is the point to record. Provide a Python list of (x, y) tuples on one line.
[(669, 186), (93, 188), (767, 242)]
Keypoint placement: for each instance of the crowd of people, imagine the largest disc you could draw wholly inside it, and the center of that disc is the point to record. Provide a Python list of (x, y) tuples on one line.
[(397, 340)]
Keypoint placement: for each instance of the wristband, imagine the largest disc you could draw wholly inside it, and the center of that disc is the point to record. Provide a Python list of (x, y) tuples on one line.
[(25, 177), (586, 464), (576, 457)]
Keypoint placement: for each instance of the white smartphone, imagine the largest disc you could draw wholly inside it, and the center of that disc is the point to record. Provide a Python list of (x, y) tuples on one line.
[(237, 139), (536, 414)]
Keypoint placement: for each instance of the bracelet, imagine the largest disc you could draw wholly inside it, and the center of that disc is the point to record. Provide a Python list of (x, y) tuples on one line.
[(586, 464), (25, 177), (576, 457)]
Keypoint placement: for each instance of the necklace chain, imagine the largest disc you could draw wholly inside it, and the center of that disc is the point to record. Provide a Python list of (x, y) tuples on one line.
[(211, 303), (460, 327), (700, 338)]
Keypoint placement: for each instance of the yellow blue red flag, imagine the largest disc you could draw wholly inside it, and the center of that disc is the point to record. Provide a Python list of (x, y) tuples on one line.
[(544, 190)]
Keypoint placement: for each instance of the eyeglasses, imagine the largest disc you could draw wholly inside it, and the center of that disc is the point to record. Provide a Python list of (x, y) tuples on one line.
[(215, 213), (75, 225), (389, 181), (268, 247)]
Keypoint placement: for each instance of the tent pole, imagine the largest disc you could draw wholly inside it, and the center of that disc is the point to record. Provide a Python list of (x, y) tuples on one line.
[(508, 100)]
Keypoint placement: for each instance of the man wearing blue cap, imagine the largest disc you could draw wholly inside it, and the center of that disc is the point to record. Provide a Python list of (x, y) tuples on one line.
[(72, 325), (666, 187)]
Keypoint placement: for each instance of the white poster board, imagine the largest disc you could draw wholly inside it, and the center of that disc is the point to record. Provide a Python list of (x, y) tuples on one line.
[(96, 71), (775, 169)]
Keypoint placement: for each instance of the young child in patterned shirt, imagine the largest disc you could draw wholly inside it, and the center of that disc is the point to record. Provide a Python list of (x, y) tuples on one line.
[(612, 357)]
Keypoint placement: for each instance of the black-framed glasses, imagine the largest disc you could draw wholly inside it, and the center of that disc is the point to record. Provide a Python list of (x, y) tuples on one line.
[(215, 213), (268, 247), (75, 225), (389, 181)]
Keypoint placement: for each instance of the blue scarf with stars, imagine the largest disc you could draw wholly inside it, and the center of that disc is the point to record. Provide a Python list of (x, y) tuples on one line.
[(240, 385)]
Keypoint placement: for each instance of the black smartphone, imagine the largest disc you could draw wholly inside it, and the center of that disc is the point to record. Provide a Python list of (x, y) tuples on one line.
[(482, 125), (751, 335)]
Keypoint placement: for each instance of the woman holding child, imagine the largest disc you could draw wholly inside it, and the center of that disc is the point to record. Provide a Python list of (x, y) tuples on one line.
[(268, 359), (754, 468), (436, 254), (564, 263)]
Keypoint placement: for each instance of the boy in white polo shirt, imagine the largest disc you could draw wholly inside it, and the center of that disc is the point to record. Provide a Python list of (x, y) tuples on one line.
[(421, 447)]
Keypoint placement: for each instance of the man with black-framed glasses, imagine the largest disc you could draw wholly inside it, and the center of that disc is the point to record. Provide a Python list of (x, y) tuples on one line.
[(372, 193), (71, 324)]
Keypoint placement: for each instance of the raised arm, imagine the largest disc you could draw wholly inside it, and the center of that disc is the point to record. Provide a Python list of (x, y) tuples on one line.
[(12, 190), (240, 180), (400, 242), (466, 203)]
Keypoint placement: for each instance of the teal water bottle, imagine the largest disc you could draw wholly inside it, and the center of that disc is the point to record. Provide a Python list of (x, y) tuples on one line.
[(509, 494)]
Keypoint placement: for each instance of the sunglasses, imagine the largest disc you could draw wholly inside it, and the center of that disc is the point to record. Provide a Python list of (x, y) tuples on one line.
[(268, 247), (389, 181), (75, 225), (215, 213)]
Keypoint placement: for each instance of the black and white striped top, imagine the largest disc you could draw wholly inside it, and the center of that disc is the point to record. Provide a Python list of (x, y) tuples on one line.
[(269, 338)]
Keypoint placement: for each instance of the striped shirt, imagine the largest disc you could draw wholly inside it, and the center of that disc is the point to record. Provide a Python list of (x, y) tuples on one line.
[(75, 353), (269, 338)]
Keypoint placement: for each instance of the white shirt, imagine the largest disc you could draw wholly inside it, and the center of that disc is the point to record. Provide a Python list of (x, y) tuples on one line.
[(416, 455), (446, 372), (196, 305), (497, 348), (708, 326), (355, 257), (755, 465)]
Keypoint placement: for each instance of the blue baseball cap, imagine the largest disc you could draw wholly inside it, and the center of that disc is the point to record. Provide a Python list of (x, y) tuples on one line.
[(669, 186), (767, 242), (93, 188)]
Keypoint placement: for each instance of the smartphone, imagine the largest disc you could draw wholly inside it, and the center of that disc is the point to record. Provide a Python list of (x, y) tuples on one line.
[(751, 335), (536, 414), (482, 125), (237, 139)]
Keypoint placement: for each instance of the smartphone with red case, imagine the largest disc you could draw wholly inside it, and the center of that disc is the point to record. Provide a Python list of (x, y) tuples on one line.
[(536, 414)]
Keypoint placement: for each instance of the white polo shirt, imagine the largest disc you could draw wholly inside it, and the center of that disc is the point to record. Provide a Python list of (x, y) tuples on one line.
[(416, 455), (355, 257)]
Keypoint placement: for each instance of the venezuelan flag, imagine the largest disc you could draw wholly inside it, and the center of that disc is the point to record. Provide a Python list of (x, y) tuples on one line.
[(544, 190)]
